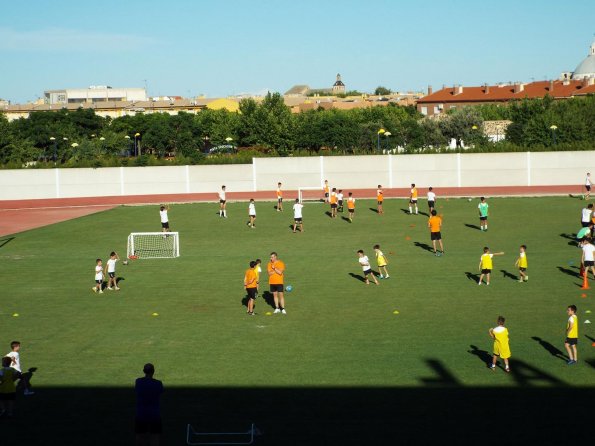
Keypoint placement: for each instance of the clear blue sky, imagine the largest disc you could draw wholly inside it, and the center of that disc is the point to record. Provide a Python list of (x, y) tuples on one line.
[(225, 47)]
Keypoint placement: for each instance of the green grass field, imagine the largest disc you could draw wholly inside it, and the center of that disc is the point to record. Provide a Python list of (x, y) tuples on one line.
[(338, 333)]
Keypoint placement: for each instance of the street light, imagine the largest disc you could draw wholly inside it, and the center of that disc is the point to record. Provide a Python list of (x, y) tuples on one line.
[(53, 140), (553, 128), (128, 144), (136, 144), (387, 134), (380, 132)]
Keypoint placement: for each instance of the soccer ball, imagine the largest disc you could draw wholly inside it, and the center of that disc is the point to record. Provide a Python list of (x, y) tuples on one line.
[(469, 199), (288, 288)]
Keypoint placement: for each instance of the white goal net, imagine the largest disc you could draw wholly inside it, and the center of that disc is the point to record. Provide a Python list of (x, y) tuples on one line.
[(153, 245), (314, 193)]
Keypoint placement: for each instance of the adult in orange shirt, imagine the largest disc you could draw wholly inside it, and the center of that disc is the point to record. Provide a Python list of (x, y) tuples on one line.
[(379, 199), (251, 286), (435, 224), (276, 270)]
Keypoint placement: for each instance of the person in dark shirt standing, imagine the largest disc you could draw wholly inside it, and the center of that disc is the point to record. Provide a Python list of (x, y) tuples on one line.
[(147, 424)]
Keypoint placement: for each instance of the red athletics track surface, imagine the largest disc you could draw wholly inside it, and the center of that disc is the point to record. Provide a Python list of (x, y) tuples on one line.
[(21, 215)]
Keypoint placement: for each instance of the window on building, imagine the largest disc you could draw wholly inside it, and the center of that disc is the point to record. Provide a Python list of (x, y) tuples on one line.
[(424, 111), (61, 98)]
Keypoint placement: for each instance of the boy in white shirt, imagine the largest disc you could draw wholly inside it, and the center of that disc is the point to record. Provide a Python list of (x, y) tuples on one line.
[(297, 215), (98, 277), (222, 201), (365, 264), (15, 363), (340, 200), (431, 199), (588, 185), (586, 215), (164, 218), (110, 271), (588, 258), (252, 213)]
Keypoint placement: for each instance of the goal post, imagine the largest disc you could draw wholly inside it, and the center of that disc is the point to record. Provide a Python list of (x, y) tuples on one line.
[(310, 193), (153, 245)]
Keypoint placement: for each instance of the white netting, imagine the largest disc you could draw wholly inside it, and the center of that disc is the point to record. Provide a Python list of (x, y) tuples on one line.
[(315, 193), (153, 245)]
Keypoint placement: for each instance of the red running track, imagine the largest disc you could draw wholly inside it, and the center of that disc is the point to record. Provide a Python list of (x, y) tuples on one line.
[(21, 215)]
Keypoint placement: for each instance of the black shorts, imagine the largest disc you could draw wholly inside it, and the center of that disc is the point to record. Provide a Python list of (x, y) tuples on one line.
[(588, 187), (279, 199), (483, 218), (340, 203), (523, 269), (430, 204), (333, 205), (298, 220), (165, 225), (112, 275), (486, 271), (380, 203), (99, 281), (8, 396), (571, 341), (368, 271), (351, 210), (222, 201), (414, 201), (588, 263), (251, 292), (435, 236), (585, 223), (252, 215), (276, 288), (147, 427)]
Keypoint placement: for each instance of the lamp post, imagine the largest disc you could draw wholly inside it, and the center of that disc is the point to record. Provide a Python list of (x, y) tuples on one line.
[(53, 140), (229, 139), (553, 128), (380, 132), (206, 145), (387, 134), (101, 145), (74, 145), (128, 144), (136, 144)]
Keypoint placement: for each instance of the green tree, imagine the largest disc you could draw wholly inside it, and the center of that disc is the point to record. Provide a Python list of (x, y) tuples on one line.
[(382, 91)]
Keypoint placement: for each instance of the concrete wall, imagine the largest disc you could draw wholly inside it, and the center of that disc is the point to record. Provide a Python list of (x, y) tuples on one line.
[(445, 170)]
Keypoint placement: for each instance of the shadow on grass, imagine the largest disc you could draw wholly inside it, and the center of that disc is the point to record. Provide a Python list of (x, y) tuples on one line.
[(472, 276), (345, 219), (592, 339), (5, 241), (509, 275), (483, 355), (328, 214), (374, 210), (473, 226), (550, 348), (405, 211), (424, 246), (311, 416), (424, 213), (569, 272), (358, 277), (568, 236), (267, 296)]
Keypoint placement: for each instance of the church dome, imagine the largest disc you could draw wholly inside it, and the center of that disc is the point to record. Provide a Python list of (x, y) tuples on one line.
[(587, 67)]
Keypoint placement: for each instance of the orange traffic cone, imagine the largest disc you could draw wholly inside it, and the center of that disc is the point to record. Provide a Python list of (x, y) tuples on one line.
[(585, 282)]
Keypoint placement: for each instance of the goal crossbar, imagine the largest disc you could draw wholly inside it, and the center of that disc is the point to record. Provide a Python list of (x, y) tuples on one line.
[(153, 245)]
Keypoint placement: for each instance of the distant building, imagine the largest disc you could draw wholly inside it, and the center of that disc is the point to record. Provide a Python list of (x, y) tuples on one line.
[(434, 104), (586, 69), (304, 90), (93, 94)]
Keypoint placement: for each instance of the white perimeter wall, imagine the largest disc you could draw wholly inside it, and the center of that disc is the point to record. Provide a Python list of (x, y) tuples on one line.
[(445, 170)]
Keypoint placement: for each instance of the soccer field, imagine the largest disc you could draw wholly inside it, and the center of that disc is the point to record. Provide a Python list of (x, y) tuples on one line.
[(338, 333)]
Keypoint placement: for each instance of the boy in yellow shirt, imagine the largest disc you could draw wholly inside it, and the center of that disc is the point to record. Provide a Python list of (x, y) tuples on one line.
[(413, 199), (571, 334), (486, 265), (501, 347), (382, 262), (521, 262)]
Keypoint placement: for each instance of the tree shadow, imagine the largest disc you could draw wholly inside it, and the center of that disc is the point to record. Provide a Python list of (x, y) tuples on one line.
[(443, 376), (509, 275), (483, 355), (373, 210), (424, 246), (4, 241), (345, 219), (358, 277), (550, 348), (473, 226), (569, 272), (267, 296), (472, 276)]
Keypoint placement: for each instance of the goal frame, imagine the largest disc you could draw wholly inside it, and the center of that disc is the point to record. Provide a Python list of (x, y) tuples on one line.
[(130, 249), (300, 195)]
